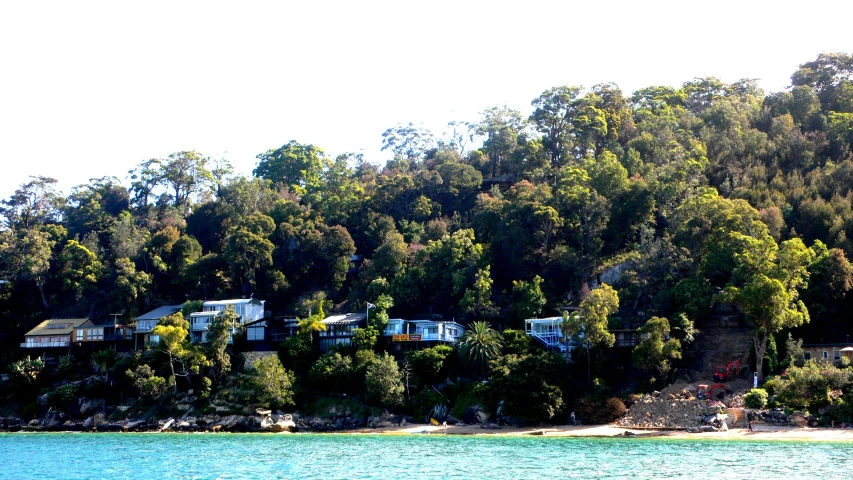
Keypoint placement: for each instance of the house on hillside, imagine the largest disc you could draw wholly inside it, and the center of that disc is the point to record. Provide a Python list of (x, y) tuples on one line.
[(424, 333), (547, 332), (248, 310), (95, 337), (147, 321), (267, 334), (828, 352), (339, 329), (52, 337)]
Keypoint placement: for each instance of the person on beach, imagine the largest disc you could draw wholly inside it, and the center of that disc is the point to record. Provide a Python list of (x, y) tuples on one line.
[(572, 418), (749, 424)]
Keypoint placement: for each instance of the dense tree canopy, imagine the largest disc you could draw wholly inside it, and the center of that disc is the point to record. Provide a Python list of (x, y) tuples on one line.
[(676, 197)]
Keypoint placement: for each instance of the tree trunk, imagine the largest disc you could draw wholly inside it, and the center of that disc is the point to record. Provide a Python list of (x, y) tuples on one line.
[(43, 298), (174, 378), (760, 347)]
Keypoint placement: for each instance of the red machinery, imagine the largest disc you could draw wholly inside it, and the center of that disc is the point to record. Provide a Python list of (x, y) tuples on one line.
[(728, 372), (717, 391)]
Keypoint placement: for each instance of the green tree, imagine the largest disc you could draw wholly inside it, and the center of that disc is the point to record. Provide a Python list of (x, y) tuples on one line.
[(477, 300), (186, 173), (526, 385), (294, 165), (527, 299), (430, 364), (80, 270), (26, 372), (26, 255), (589, 324), (219, 334), (105, 360), (553, 113), (383, 381), (273, 381), (479, 345), (249, 249), (172, 331), (333, 372), (365, 338), (145, 380), (656, 350), (766, 287)]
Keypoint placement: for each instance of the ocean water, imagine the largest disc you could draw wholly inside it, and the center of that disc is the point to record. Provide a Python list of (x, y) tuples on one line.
[(350, 456)]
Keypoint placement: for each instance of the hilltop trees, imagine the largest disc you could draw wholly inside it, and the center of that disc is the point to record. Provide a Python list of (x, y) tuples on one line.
[(679, 197)]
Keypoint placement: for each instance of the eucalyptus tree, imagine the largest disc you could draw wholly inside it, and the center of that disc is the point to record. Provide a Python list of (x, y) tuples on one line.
[(588, 325)]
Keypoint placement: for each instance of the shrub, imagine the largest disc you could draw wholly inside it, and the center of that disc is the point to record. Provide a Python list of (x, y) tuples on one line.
[(756, 398), (592, 410), (424, 401)]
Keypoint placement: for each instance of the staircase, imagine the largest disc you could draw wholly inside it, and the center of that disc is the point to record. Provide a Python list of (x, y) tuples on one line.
[(550, 340)]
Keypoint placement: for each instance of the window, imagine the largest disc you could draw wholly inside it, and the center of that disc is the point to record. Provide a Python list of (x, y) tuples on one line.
[(255, 334), (836, 355), (79, 334), (825, 355), (807, 356)]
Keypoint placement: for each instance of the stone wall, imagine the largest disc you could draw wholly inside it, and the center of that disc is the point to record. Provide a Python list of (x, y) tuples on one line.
[(723, 337)]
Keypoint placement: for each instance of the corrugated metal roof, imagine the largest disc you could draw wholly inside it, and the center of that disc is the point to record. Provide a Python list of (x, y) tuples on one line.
[(57, 326), (160, 312), (344, 319)]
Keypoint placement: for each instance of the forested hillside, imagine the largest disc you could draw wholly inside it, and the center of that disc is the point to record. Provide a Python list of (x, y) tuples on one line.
[(710, 192)]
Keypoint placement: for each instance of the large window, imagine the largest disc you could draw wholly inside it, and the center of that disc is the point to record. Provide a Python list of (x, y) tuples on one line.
[(255, 333), (79, 334)]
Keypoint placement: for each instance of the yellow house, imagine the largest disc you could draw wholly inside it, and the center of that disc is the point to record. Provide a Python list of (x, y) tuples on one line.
[(828, 352)]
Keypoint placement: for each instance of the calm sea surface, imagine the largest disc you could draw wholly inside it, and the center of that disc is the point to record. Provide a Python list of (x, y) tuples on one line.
[(224, 456)]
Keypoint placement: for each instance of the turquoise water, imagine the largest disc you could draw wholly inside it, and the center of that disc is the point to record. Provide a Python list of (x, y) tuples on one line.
[(224, 456)]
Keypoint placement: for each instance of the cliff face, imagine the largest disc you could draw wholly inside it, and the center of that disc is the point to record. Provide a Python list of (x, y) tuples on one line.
[(723, 337)]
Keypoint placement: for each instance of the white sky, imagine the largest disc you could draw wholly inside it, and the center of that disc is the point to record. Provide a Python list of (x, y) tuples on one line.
[(89, 89)]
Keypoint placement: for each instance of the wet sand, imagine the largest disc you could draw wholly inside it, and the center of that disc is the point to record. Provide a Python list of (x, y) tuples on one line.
[(760, 432)]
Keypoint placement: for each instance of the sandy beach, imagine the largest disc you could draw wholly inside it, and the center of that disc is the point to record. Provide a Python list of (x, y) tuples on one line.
[(760, 432)]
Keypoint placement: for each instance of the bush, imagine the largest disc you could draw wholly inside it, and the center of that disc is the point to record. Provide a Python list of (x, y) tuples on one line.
[(756, 398), (592, 410), (424, 401)]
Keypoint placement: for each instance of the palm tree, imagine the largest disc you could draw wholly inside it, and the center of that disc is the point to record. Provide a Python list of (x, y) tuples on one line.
[(479, 345)]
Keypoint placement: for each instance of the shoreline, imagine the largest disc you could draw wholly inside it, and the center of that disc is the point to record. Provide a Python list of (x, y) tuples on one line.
[(760, 432)]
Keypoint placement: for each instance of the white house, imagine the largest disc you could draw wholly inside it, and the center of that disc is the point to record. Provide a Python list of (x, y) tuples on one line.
[(423, 330), (546, 331), (247, 309)]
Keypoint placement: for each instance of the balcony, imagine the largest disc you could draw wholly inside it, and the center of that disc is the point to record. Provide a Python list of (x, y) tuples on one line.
[(63, 343), (438, 337)]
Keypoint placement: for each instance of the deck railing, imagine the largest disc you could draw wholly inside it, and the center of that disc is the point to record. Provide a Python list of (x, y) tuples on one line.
[(550, 339), (63, 343)]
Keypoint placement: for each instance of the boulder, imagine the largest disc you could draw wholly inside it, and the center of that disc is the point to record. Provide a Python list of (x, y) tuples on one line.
[(91, 407)]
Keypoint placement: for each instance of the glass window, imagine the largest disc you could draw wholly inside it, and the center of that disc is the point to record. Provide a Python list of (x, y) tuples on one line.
[(836, 354), (825, 355), (807, 355), (79, 334)]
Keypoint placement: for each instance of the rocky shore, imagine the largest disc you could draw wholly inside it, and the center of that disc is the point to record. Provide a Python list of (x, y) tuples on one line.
[(262, 421)]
